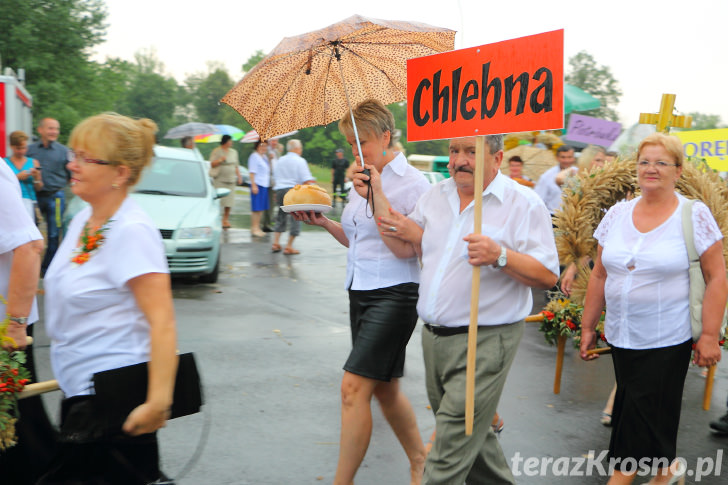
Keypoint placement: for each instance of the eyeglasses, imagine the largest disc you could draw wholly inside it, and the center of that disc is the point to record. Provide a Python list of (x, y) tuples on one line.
[(81, 160), (658, 164)]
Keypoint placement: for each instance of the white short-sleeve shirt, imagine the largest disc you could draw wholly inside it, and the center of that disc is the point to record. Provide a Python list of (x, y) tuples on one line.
[(260, 167), (92, 317), (16, 229), (370, 263), (549, 190), (648, 306), (513, 216)]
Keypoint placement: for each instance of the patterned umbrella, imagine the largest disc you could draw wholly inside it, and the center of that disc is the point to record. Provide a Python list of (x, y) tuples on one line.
[(252, 136), (315, 78)]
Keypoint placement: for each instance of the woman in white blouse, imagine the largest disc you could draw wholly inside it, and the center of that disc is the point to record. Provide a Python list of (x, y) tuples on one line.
[(108, 304), (641, 274), (382, 278)]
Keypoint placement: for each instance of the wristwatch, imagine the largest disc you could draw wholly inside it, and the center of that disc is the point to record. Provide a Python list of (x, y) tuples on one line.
[(502, 260), (20, 320)]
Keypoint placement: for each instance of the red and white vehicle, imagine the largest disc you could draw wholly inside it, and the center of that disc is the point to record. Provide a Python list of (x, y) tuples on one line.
[(15, 108)]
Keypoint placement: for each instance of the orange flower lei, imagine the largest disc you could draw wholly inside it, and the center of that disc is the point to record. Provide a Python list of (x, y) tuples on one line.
[(89, 243)]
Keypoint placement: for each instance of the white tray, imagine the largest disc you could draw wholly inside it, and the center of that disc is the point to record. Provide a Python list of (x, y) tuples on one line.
[(322, 208)]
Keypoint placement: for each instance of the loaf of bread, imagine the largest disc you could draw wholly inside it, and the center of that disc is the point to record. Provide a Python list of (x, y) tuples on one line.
[(307, 194)]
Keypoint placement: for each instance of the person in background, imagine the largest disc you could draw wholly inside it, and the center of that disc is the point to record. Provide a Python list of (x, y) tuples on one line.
[(26, 170), (547, 187), (515, 252), (225, 160), (21, 246), (515, 171), (338, 175), (259, 183), (275, 150), (290, 170), (382, 279), (611, 156), (53, 158), (641, 275), (108, 304), (188, 142)]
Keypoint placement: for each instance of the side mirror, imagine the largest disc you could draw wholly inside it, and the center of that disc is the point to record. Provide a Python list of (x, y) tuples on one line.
[(221, 192)]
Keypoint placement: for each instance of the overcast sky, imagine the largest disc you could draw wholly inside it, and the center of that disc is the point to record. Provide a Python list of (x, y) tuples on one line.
[(651, 47)]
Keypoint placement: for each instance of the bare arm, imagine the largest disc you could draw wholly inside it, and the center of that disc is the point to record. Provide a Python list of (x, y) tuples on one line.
[(594, 303), (253, 186), (22, 287), (317, 219), (707, 349), (153, 294)]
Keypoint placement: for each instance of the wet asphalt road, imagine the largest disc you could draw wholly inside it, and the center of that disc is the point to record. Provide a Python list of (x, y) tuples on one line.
[(270, 340)]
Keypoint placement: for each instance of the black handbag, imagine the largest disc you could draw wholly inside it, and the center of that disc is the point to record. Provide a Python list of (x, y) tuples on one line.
[(119, 391)]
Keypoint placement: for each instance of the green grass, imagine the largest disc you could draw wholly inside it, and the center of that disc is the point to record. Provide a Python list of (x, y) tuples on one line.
[(322, 175)]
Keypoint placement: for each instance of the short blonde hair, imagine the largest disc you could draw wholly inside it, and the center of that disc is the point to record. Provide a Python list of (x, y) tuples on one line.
[(588, 154), (17, 137), (118, 139), (372, 118), (671, 143)]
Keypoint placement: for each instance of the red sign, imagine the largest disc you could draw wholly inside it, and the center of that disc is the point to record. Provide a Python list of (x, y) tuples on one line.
[(505, 87)]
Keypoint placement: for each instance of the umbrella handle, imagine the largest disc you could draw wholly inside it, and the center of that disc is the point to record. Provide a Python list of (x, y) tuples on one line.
[(351, 113)]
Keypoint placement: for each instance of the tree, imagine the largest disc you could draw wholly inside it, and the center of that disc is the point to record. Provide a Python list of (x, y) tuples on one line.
[(705, 121), (51, 41), (206, 90), (596, 80), (150, 93), (253, 60)]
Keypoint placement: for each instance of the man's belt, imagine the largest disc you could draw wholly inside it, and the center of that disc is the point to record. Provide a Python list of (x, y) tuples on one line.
[(441, 331)]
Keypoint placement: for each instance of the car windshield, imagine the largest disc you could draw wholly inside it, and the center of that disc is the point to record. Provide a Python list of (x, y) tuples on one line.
[(169, 176)]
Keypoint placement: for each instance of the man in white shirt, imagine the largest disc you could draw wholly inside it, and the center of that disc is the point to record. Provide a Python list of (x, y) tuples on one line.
[(547, 187), (290, 170), (516, 251)]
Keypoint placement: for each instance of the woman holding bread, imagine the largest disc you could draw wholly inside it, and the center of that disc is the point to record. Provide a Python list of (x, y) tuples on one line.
[(382, 279)]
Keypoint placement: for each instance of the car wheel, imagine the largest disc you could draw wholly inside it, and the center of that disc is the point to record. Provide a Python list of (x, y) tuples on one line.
[(212, 277)]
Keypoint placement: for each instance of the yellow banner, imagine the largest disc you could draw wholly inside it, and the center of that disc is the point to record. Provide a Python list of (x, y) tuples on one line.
[(712, 145)]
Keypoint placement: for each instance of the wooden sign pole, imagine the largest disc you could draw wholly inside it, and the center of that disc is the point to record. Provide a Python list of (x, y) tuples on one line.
[(475, 290)]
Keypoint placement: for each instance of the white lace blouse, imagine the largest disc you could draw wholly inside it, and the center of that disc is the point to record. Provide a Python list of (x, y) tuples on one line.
[(647, 306)]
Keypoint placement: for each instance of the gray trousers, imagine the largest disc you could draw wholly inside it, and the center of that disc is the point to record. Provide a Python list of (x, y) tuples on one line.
[(456, 458), (282, 218)]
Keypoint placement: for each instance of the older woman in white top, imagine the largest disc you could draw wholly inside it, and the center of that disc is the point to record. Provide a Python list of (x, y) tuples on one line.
[(382, 277), (641, 274), (109, 305)]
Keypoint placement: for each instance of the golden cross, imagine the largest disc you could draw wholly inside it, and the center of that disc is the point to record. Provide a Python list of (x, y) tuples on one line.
[(664, 119)]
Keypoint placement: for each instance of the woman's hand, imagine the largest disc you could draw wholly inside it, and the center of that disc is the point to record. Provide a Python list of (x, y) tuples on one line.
[(567, 280), (360, 180), (311, 218), (399, 226), (23, 175), (254, 188), (146, 418), (707, 351), (588, 342)]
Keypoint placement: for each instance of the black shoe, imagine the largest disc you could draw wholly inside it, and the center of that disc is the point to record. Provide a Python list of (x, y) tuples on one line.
[(721, 424), (267, 229)]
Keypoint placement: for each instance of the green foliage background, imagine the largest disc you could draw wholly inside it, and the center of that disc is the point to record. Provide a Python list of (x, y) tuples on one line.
[(52, 41)]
